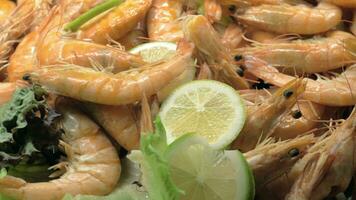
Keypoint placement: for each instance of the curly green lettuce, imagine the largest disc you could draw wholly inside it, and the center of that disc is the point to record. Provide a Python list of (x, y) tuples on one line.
[(29, 138), (156, 177)]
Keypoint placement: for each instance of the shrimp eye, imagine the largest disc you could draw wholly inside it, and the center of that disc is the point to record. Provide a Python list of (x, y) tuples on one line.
[(238, 57), (51, 152), (232, 8), (293, 152), (240, 71), (296, 114), (26, 77), (137, 183), (261, 85), (288, 93)]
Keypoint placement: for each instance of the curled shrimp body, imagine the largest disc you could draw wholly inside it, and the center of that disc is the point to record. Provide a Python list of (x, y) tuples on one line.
[(337, 91), (117, 23), (264, 37), (6, 7), (272, 159), (135, 37), (262, 119), (198, 30), (298, 19), (7, 89), (54, 47), (112, 89), (118, 121), (305, 56), (162, 20), (327, 167), (23, 60), (93, 166), (303, 118), (232, 36), (212, 10), (26, 16), (25, 57)]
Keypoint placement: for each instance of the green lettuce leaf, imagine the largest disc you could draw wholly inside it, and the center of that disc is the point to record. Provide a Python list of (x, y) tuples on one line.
[(3, 197), (155, 172), (3, 173), (28, 133)]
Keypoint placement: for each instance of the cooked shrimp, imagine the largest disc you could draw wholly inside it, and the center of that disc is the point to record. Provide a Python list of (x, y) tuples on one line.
[(272, 159), (135, 37), (305, 56), (232, 36), (353, 26), (198, 30), (204, 72), (112, 89), (262, 36), (327, 168), (41, 48), (23, 60), (92, 167), (6, 7), (343, 3), (162, 20), (267, 37), (27, 15), (117, 23), (305, 116), (118, 121), (263, 119), (250, 3), (7, 89), (338, 91), (54, 48), (212, 10), (298, 19)]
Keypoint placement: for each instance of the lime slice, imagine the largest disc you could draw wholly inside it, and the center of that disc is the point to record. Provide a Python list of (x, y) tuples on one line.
[(157, 51), (209, 108), (208, 174)]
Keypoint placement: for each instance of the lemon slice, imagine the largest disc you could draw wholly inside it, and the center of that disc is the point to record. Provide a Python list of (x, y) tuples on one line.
[(158, 51), (207, 174), (155, 51), (209, 108)]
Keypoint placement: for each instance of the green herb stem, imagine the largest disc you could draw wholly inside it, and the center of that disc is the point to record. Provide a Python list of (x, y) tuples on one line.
[(74, 25)]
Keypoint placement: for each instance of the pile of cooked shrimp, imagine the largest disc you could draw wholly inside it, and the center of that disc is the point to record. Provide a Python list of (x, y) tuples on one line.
[(292, 61)]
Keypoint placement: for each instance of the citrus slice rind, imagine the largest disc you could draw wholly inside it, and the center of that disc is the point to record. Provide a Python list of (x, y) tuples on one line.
[(209, 108), (206, 173), (157, 51)]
